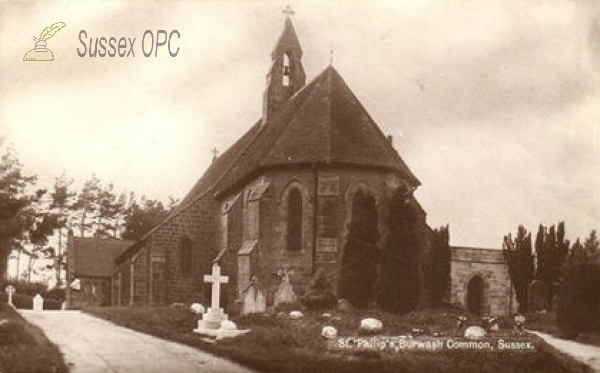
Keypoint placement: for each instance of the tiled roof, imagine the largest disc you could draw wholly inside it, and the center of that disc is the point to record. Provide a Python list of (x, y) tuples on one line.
[(94, 256), (324, 123)]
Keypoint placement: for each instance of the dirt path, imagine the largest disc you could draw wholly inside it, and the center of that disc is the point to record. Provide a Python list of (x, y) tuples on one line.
[(92, 345), (587, 354)]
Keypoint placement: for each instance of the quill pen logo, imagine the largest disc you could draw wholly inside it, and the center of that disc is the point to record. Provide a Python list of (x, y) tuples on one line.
[(40, 52)]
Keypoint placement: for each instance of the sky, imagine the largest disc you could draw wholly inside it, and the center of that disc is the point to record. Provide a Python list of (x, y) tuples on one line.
[(494, 105)]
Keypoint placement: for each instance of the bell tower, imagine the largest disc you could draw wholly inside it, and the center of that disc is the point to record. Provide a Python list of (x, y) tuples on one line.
[(286, 75)]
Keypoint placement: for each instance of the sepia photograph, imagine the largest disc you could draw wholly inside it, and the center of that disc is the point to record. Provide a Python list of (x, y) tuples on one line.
[(396, 186)]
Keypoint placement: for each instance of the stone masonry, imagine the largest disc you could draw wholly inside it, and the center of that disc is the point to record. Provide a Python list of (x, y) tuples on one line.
[(490, 266)]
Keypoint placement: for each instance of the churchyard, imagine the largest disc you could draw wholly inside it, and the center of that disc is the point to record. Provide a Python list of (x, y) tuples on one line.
[(285, 339), (316, 332), (324, 337)]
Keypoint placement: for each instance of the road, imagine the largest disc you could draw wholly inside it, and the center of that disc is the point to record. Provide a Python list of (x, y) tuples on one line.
[(93, 345), (587, 354)]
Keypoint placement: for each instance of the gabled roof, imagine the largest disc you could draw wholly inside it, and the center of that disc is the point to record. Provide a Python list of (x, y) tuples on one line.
[(93, 257), (323, 123)]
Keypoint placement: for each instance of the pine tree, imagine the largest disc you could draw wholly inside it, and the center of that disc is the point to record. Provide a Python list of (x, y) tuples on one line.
[(87, 206), (578, 296), (551, 250), (142, 216), (519, 257), (62, 205), (14, 201)]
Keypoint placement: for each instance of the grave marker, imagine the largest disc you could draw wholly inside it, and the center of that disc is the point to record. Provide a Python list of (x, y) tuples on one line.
[(254, 298), (38, 303), (214, 320), (285, 293), (216, 279), (10, 290)]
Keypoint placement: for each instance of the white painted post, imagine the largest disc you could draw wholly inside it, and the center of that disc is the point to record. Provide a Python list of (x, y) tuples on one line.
[(38, 303)]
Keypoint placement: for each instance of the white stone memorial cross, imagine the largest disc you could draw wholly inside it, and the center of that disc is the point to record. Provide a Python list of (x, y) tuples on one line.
[(216, 279), (10, 290)]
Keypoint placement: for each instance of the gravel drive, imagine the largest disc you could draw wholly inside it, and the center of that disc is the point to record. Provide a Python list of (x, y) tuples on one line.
[(92, 345)]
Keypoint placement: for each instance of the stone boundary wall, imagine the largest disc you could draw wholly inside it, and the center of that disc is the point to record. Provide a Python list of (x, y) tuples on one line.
[(489, 264)]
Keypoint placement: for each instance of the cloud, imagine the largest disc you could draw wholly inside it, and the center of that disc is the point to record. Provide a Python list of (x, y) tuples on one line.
[(493, 104)]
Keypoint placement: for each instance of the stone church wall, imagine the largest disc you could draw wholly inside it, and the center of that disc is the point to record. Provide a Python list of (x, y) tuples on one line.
[(255, 220), (125, 272), (157, 265), (337, 186), (139, 277), (198, 223), (488, 264)]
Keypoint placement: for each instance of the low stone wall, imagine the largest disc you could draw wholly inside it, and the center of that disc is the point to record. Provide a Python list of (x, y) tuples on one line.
[(489, 265)]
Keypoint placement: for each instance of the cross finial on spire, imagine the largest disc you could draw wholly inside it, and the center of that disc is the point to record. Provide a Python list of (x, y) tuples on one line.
[(331, 51), (288, 11), (215, 153)]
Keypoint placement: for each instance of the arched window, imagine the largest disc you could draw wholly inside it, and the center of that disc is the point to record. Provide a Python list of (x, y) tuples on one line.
[(286, 70), (294, 221), (185, 256)]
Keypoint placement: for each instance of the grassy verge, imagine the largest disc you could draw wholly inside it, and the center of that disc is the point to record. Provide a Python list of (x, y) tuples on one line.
[(25, 348), (278, 344), (546, 322)]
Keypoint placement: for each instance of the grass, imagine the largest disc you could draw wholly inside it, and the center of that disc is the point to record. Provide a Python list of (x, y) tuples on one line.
[(24, 348), (546, 322), (278, 344)]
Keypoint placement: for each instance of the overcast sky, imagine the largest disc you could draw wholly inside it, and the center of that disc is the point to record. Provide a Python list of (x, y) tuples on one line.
[(494, 105)]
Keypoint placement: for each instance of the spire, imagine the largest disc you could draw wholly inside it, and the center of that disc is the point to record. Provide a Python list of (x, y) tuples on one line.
[(286, 75)]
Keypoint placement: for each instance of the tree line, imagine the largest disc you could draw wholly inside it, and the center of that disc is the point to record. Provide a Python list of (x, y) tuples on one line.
[(35, 222), (569, 272)]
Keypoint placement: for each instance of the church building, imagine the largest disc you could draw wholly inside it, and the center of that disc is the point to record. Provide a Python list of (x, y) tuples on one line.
[(283, 198)]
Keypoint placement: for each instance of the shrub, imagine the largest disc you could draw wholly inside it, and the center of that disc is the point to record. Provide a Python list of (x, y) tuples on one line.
[(21, 301), (26, 288), (579, 300), (56, 294), (399, 285), (320, 295), (360, 258), (29, 290)]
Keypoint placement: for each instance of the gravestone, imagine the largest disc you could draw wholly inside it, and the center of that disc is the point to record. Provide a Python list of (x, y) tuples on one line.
[(215, 314), (285, 293), (215, 321), (254, 298), (10, 290), (537, 295), (38, 303)]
